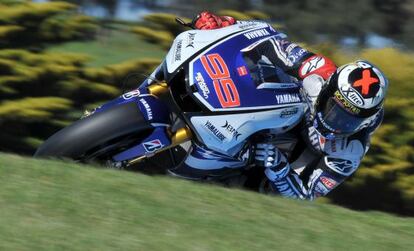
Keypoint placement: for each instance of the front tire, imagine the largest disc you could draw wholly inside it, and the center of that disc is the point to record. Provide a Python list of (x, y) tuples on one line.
[(98, 135)]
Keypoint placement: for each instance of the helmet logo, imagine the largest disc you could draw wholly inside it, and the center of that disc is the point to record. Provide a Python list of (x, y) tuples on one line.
[(346, 104), (365, 82)]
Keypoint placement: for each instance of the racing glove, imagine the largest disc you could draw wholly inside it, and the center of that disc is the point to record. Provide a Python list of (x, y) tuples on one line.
[(276, 164), (208, 21)]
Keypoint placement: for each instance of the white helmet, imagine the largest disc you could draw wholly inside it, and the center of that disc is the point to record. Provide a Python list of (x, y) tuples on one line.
[(351, 100)]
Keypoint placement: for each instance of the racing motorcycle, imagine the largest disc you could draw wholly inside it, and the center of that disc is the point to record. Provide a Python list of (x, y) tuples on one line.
[(212, 92)]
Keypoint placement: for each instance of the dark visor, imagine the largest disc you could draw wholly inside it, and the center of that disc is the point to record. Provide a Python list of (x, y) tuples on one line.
[(333, 118)]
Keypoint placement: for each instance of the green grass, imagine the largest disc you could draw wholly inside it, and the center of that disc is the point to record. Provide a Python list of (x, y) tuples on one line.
[(51, 205), (112, 47)]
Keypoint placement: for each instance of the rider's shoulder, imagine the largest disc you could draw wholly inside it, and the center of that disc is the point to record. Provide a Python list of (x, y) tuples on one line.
[(344, 156)]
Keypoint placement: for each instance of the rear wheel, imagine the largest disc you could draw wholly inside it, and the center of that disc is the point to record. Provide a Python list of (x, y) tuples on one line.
[(98, 136)]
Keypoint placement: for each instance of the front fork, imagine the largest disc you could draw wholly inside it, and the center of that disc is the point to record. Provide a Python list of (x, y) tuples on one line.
[(162, 138)]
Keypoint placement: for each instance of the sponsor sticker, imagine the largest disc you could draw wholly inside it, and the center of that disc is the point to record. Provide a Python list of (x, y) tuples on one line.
[(289, 112), (147, 108), (256, 34), (153, 145), (190, 40), (320, 188), (231, 130), (296, 54), (342, 166), (288, 98), (202, 84), (131, 94), (311, 65), (353, 96), (314, 138), (346, 104), (242, 71), (178, 48), (247, 24), (328, 182), (219, 135)]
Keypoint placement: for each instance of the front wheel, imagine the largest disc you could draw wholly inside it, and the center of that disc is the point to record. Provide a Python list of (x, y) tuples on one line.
[(99, 135)]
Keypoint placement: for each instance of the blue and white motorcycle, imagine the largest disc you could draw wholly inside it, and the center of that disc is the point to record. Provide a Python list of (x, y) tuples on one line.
[(211, 93)]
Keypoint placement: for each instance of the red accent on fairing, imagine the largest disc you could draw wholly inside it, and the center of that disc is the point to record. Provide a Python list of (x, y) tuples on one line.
[(242, 71), (220, 69), (231, 96), (224, 86), (325, 70)]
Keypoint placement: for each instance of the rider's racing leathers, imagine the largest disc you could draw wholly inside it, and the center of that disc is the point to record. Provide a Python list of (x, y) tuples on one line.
[(321, 165)]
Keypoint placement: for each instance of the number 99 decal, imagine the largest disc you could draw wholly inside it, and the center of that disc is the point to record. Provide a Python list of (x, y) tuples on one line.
[(224, 86)]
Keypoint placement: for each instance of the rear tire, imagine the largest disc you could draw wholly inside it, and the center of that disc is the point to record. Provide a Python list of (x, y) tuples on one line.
[(98, 134)]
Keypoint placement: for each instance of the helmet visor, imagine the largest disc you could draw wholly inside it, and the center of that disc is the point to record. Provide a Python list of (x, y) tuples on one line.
[(331, 117)]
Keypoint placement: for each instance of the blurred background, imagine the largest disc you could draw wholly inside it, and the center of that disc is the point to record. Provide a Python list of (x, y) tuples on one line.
[(58, 58)]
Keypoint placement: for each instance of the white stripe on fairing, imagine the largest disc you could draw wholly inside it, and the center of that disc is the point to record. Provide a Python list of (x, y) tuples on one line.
[(274, 85)]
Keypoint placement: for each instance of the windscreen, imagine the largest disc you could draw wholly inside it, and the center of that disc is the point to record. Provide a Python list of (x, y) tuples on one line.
[(263, 71)]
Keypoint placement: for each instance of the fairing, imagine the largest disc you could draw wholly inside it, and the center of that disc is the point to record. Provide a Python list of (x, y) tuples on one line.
[(219, 79), (224, 81), (228, 133)]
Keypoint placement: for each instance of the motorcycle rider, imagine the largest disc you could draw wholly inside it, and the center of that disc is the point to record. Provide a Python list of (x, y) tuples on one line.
[(345, 108)]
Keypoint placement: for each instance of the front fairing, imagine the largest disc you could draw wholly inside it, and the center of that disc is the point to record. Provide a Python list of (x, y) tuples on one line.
[(155, 112), (222, 79), (235, 102)]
